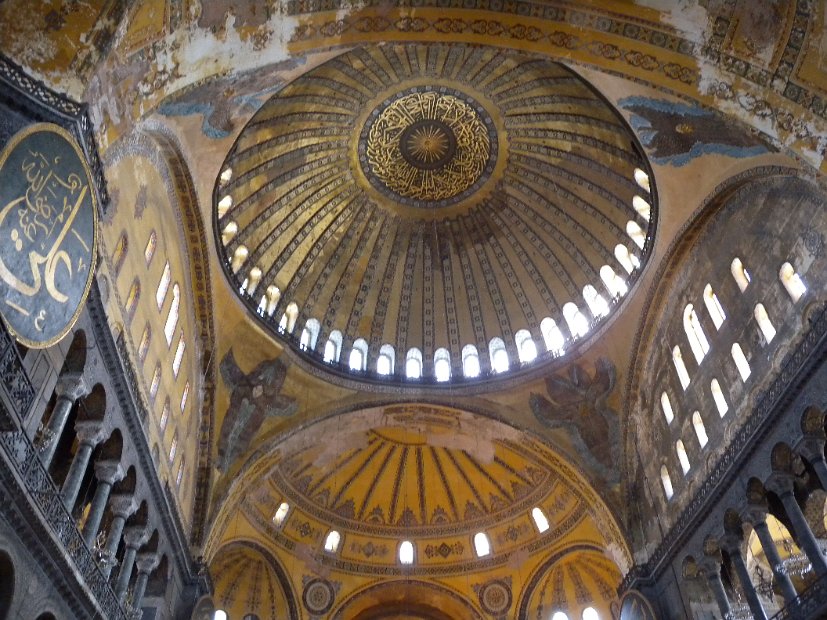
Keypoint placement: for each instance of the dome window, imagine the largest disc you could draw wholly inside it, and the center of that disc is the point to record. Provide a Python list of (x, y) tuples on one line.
[(253, 280), (626, 259), (172, 318), (359, 355), (642, 179), (224, 205), (695, 333), (482, 546), (499, 356), (163, 286), (219, 614), (228, 233), (559, 615), (666, 481), (281, 513), (590, 614), (578, 324), (226, 176), (406, 553), (552, 336), (741, 362), (740, 274), (540, 519), (413, 364), (792, 282), (470, 361), (683, 458), (385, 361), (526, 348), (680, 367), (700, 429), (442, 365), (764, 323), (714, 307), (642, 207), (310, 334), (636, 233), (613, 282), (666, 406), (594, 300), (718, 397), (288, 319), (270, 299), (331, 543), (333, 347)]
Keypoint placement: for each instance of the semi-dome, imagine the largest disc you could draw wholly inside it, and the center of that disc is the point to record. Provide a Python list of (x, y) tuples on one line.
[(434, 213)]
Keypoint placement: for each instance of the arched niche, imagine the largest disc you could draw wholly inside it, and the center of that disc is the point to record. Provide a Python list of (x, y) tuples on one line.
[(406, 599)]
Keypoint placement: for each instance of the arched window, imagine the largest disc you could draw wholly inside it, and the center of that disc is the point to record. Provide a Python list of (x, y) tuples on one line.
[(406, 552), (281, 514), (224, 205), (714, 307), (559, 615), (180, 475), (482, 545), (677, 359), (225, 176), (270, 300), (358, 355), (740, 361), (695, 333), (155, 383), (552, 336), (578, 325), (718, 397), (526, 349), (540, 519), (470, 361), (764, 323), (288, 319), (636, 233), (149, 250), (590, 614), (310, 334), (184, 395), (682, 456), (143, 347), (333, 347), (172, 318), (642, 179), (173, 448), (219, 614), (613, 282), (499, 356), (119, 255), (413, 363), (442, 365), (331, 543), (228, 233), (386, 360), (792, 282), (594, 300), (740, 274), (700, 429), (251, 281), (239, 258), (627, 260), (666, 406), (164, 415), (642, 207), (179, 355), (163, 286), (666, 481)]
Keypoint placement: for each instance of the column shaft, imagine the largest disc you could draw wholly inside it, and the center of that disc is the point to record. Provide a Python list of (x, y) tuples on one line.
[(55, 426), (774, 558), (720, 594), (139, 590), (753, 601), (804, 535), (820, 468), (114, 540), (93, 521), (71, 485), (126, 573)]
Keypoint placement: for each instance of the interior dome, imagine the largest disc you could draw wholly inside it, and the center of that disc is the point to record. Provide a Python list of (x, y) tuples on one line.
[(434, 213)]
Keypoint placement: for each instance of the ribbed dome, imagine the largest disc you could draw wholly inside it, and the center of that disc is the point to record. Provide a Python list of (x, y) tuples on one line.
[(407, 211)]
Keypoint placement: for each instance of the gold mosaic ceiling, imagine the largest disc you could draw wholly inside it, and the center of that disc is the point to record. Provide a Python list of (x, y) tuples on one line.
[(432, 197)]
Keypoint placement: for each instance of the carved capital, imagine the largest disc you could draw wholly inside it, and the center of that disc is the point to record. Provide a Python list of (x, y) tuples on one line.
[(135, 535), (811, 447), (710, 567), (755, 514), (89, 431), (780, 483), (731, 543), (123, 504), (109, 471), (147, 562), (71, 385)]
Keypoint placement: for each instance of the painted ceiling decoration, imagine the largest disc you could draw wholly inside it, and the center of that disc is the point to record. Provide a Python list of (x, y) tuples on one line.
[(432, 197)]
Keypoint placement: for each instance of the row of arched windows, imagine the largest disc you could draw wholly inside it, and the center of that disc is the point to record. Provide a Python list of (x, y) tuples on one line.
[(700, 346), (576, 322), (590, 613)]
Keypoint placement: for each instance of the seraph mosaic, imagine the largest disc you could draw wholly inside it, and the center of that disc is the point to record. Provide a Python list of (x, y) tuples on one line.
[(676, 133)]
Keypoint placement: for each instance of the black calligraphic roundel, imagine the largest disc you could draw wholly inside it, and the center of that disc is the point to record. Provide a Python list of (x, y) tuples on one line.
[(48, 233)]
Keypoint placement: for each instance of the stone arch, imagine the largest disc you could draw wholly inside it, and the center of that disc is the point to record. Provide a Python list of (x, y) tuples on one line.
[(8, 580), (75, 360), (159, 579), (391, 597)]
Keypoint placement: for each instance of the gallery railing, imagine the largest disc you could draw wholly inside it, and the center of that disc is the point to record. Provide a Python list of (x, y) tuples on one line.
[(811, 603)]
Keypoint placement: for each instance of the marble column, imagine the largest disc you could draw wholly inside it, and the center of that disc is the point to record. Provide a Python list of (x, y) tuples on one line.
[(122, 506), (733, 548), (134, 536), (146, 563), (782, 485), (107, 473), (70, 387), (812, 448), (89, 434), (711, 568), (757, 516)]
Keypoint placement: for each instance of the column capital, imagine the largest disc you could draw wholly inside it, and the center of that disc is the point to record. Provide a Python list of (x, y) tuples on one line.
[(147, 561), (109, 471), (72, 385), (754, 514), (135, 535), (123, 504), (780, 483), (811, 447), (89, 431), (731, 543), (710, 566)]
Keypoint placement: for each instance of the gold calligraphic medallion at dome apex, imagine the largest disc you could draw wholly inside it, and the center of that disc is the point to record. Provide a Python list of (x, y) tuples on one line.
[(48, 221), (428, 148)]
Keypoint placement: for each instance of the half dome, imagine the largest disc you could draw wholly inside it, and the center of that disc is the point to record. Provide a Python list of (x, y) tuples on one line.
[(434, 213)]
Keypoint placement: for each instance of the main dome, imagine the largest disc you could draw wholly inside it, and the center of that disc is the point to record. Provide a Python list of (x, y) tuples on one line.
[(434, 213)]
